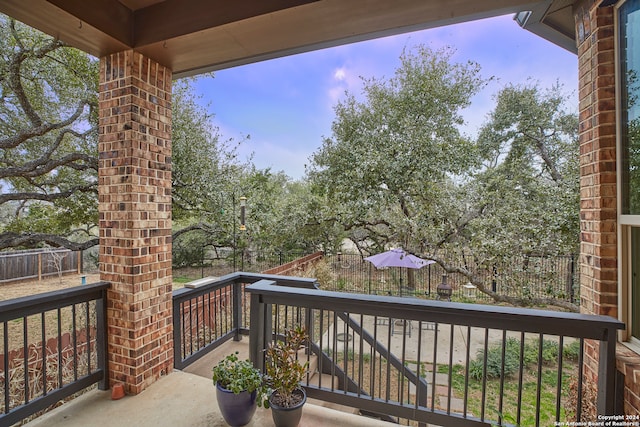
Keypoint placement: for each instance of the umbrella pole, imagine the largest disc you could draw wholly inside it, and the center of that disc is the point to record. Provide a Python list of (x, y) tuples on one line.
[(369, 278)]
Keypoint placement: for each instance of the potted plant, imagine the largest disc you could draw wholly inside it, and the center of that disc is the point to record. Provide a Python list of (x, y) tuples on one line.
[(284, 372), (239, 389)]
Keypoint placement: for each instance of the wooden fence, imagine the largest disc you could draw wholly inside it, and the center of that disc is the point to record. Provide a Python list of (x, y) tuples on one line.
[(38, 264)]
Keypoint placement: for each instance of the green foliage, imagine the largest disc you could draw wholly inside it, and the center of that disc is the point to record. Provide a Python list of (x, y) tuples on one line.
[(397, 171), (512, 357), (284, 370), (549, 352), (206, 168), (238, 375), (494, 361), (511, 392), (188, 250), (48, 131), (386, 171), (530, 184), (572, 351), (342, 284)]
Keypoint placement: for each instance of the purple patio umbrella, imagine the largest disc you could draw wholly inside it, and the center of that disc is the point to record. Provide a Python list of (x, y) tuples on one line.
[(397, 257)]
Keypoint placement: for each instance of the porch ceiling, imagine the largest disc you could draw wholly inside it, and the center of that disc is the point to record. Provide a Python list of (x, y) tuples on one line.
[(194, 36)]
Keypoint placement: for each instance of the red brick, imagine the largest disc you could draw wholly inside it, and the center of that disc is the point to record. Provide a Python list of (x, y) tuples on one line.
[(135, 103)]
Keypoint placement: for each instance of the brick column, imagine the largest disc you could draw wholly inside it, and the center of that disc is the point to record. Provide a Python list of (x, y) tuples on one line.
[(598, 222), (135, 216), (598, 207), (598, 215)]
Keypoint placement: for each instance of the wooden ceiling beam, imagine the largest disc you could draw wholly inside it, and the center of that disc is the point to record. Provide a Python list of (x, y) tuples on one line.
[(109, 16), (175, 18)]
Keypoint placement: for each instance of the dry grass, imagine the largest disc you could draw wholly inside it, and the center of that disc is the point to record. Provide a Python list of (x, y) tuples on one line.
[(70, 368), (34, 287)]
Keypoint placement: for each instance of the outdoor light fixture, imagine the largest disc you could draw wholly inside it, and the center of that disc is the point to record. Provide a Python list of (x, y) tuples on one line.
[(243, 206), (444, 290)]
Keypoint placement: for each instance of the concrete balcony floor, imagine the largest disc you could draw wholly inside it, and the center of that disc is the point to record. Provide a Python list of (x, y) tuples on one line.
[(181, 399)]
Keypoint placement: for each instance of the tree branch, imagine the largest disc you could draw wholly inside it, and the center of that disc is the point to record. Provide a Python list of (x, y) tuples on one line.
[(12, 240), (4, 198), (516, 301)]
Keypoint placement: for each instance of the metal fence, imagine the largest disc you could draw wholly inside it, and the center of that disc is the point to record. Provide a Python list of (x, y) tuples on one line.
[(38, 263), (519, 276)]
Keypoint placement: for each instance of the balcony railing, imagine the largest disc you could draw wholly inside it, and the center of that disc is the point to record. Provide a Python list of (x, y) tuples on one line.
[(214, 311), (482, 365), (402, 359), (53, 345)]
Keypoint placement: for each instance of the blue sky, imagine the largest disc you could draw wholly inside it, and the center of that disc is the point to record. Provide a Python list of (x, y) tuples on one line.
[(286, 105)]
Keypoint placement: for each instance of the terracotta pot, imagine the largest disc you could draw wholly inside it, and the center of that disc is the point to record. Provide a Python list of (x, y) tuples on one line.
[(117, 391)]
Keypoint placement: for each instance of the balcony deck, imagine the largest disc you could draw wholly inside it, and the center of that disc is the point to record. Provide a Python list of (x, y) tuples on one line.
[(181, 399)]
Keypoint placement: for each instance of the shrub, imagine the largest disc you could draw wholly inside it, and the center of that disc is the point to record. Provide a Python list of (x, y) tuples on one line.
[(188, 250), (494, 361), (512, 357), (549, 352), (572, 351)]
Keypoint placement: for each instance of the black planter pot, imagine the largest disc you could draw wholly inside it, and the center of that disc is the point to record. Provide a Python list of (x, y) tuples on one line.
[(288, 416), (237, 409)]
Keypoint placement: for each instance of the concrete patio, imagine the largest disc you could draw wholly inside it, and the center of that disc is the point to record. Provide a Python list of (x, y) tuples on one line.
[(179, 399), (187, 398), (182, 398)]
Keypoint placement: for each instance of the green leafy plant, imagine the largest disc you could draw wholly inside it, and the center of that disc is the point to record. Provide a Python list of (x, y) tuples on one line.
[(237, 375), (495, 366), (572, 351), (284, 369), (512, 357)]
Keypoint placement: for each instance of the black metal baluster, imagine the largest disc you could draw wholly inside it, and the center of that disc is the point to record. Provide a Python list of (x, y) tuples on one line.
[(87, 329), (60, 361), (501, 396), (7, 377), (434, 367), (580, 379), (483, 402), (539, 382), (75, 342), (520, 378), (25, 354), (450, 372), (559, 385), (466, 373)]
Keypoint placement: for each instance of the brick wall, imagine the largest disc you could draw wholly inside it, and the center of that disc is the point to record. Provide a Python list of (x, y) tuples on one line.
[(135, 216), (598, 250), (598, 205)]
